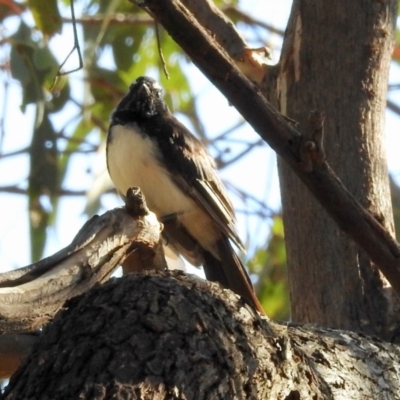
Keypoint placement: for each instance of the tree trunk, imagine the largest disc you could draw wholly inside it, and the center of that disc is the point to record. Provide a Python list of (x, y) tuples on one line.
[(168, 336), (336, 59)]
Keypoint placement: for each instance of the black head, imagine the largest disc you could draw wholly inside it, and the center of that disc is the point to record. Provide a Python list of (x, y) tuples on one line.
[(145, 98)]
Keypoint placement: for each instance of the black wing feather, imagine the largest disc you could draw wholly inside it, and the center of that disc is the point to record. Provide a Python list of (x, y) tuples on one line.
[(194, 171)]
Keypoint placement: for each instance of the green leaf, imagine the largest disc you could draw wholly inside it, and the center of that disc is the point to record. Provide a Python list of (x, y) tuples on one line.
[(224, 3), (38, 222), (60, 94), (46, 15), (270, 266), (126, 42), (107, 89), (23, 69), (83, 129), (43, 184), (34, 66)]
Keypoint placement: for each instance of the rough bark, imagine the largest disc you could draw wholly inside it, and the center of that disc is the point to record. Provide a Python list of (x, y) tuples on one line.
[(372, 231), (168, 336), (342, 70)]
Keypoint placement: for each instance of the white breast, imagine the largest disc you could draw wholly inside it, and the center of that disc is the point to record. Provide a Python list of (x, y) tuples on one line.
[(132, 161)]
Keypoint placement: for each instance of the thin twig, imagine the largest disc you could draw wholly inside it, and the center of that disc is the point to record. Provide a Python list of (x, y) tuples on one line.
[(62, 192), (115, 19), (75, 47), (393, 107), (223, 164), (160, 52)]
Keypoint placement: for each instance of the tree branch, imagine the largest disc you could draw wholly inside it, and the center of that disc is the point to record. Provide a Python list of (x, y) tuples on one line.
[(167, 335), (114, 19), (215, 63)]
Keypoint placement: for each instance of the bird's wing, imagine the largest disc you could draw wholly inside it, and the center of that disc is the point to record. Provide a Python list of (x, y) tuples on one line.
[(197, 175)]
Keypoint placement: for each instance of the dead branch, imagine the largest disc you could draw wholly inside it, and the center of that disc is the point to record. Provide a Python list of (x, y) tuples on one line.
[(30, 296)]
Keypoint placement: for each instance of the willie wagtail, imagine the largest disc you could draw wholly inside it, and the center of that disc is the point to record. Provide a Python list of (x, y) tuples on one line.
[(149, 148)]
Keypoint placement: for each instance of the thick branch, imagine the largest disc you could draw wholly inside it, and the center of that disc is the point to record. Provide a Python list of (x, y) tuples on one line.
[(166, 335), (213, 61), (252, 62)]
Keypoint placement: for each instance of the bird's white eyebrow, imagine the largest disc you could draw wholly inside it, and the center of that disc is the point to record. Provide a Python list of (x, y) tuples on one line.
[(157, 86)]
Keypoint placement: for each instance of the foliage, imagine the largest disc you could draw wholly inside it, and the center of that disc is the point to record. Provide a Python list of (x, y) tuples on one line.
[(270, 266), (33, 64)]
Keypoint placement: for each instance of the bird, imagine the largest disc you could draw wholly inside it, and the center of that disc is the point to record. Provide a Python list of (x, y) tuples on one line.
[(148, 147)]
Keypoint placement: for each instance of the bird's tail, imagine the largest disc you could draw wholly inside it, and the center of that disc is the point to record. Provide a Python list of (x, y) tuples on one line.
[(230, 273)]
